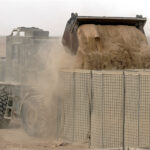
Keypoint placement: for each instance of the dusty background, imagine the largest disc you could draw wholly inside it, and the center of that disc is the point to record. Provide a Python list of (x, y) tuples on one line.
[(15, 138), (49, 88)]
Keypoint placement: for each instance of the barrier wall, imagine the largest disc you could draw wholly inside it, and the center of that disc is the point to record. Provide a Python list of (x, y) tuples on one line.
[(137, 108), (77, 93), (107, 109)]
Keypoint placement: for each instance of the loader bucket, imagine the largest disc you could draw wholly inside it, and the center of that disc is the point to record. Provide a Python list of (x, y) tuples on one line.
[(70, 40)]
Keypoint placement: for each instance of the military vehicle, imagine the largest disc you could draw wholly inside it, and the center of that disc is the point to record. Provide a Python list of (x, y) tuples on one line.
[(18, 62)]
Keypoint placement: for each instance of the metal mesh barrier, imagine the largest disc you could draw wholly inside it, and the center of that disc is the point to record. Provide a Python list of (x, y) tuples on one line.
[(68, 102), (131, 108), (144, 112), (137, 108), (77, 94), (96, 110), (107, 110), (82, 105), (112, 108)]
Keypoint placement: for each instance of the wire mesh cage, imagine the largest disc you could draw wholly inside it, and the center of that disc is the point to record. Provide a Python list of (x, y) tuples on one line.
[(107, 109), (76, 106), (137, 108)]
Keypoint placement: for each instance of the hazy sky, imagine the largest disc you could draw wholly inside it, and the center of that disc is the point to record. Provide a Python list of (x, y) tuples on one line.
[(52, 15)]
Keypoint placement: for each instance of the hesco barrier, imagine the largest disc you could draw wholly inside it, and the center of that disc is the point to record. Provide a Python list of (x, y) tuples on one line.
[(137, 108), (107, 109), (76, 107)]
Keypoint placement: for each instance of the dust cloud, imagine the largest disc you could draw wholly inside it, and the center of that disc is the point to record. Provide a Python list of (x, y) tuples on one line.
[(39, 109), (100, 47)]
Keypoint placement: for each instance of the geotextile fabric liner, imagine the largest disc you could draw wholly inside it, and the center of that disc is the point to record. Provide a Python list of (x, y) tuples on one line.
[(108, 109)]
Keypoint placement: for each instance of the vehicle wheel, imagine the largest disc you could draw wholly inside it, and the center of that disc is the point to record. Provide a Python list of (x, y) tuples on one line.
[(3, 104), (34, 117)]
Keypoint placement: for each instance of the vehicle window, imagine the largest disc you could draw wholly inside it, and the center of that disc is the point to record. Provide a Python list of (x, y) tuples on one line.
[(22, 33), (14, 33)]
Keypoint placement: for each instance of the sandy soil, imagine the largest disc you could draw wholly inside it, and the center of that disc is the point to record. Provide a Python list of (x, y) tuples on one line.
[(112, 47), (15, 138)]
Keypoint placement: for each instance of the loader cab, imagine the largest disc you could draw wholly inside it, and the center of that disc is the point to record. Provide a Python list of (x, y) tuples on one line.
[(23, 46), (18, 33), (32, 32)]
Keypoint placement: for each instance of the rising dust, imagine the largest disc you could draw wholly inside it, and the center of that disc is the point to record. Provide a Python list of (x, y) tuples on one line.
[(100, 47), (40, 97), (45, 90)]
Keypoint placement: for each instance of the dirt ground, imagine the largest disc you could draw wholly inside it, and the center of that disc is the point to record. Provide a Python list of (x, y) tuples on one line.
[(15, 138)]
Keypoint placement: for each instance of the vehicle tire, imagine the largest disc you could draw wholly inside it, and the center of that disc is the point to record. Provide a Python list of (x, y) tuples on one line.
[(34, 117), (4, 123)]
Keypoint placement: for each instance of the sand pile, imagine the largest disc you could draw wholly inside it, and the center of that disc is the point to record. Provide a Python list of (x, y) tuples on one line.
[(112, 47)]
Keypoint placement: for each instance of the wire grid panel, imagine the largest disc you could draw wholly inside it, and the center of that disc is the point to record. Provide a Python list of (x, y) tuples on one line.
[(107, 109), (132, 98), (67, 78), (144, 110), (96, 111), (77, 95), (82, 106)]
